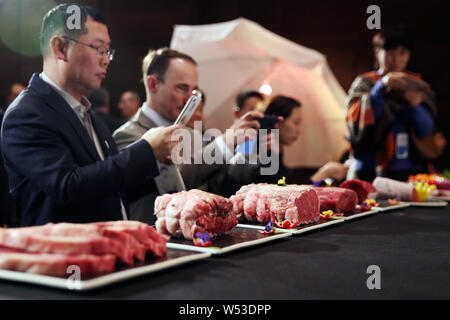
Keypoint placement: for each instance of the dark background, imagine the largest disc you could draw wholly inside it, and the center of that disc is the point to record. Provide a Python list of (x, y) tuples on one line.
[(335, 28)]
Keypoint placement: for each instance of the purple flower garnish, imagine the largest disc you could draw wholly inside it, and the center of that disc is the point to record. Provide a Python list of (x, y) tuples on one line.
[(318, 183), (205, 237), (269, 227)]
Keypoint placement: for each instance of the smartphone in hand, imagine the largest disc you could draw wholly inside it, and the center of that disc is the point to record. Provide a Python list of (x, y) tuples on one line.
[(268, 122), (189, 108)]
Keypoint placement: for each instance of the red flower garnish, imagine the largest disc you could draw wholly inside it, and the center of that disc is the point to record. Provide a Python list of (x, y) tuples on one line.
[(364, 208), (202, 239), (368, 205), (286, 224), (201, 243)]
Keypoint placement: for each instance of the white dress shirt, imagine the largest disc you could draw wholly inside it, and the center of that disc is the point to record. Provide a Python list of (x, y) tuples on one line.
[(159, 120)]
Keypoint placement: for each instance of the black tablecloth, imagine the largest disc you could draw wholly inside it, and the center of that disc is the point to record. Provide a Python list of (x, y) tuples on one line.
[(410, 246)]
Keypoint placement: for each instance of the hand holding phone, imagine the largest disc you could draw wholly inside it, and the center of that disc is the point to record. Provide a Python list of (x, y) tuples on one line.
[(268, 122), (252, 146)]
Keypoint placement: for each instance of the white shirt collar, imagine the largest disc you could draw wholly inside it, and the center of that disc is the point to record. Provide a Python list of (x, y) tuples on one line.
[(73, 103), (159, 120)]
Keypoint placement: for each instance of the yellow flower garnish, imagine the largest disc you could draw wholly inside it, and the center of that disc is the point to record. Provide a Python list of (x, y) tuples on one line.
[(282, 182), (423, 190), (370, 201)]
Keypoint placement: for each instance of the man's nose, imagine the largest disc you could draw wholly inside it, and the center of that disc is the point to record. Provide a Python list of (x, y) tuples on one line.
[(186, 97), (105, 61)]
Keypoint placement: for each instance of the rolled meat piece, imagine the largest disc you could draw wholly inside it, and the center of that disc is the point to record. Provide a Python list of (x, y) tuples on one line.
[(389, 188), (185, 213)]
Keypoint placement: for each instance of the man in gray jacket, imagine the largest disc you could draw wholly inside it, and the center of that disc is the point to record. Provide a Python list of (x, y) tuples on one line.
[(170, 77)]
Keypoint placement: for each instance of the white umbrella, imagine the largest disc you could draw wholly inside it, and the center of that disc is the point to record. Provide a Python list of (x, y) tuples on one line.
[(240, 54)]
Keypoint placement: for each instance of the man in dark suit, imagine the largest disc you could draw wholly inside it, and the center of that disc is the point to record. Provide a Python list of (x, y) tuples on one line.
[(62, 163)]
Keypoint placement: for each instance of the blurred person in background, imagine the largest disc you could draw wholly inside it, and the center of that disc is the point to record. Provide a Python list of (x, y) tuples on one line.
[(100, 103), (246, 101), (15, 89), (129, 104), (290, 112), (391, 113)]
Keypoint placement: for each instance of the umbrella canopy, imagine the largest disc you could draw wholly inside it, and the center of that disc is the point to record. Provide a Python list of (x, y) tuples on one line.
[(240, 54)]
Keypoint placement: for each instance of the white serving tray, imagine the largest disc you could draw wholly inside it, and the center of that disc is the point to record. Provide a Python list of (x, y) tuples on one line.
[(237, 238), (429, 203), (384, 206), (299, 229), (173, 258), (361, 214)]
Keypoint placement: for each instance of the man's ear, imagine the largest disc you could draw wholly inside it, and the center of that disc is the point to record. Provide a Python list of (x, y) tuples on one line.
[(152, 83), (59, 47)]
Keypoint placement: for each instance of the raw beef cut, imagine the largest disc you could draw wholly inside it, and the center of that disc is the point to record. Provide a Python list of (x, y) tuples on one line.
[(55, 264), (389, 188), (334, 198), (73, 230), (361, 187), (35, 241), (145, 234), (269, 202), (186, 213), (94, 247)]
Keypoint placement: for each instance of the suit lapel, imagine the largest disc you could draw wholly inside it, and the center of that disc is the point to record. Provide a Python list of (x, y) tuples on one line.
[(145, 121), (57, 103)]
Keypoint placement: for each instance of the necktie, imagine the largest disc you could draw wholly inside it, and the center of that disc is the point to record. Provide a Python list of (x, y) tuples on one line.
[(86, 120)]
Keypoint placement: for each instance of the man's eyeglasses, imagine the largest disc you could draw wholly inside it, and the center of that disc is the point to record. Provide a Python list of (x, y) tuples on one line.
[(101, 51)]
